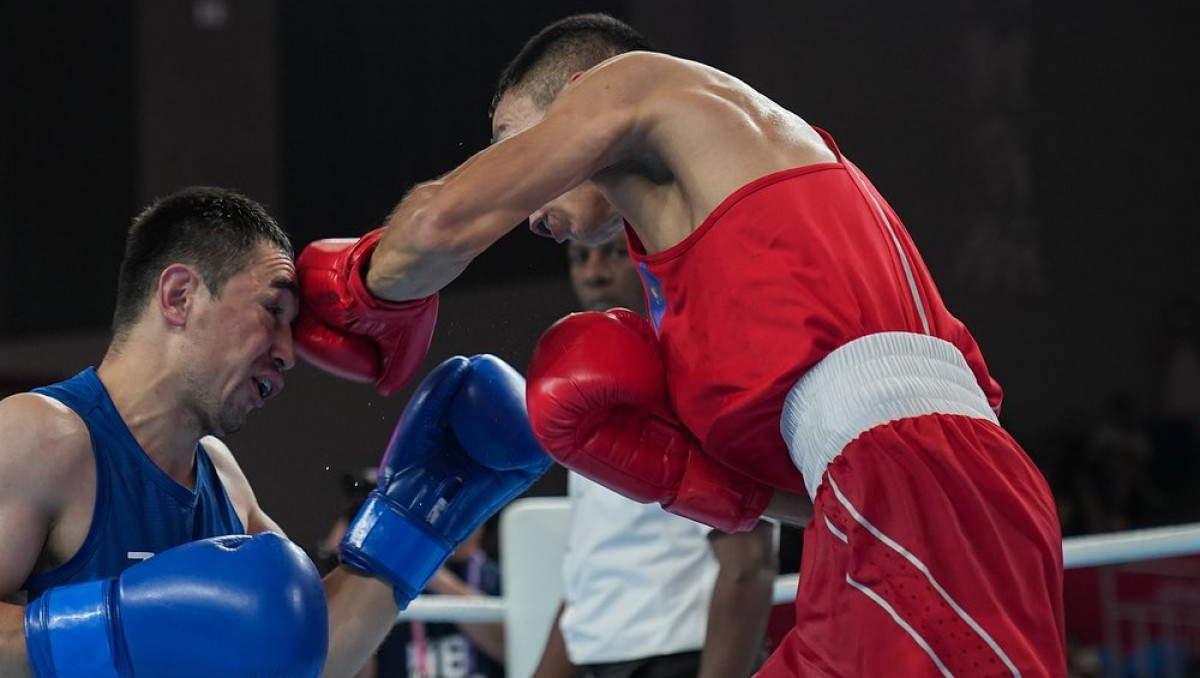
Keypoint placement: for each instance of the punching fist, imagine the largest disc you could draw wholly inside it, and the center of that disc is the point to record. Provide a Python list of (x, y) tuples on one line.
[(233, 606), (344, 329), (598, 403), (461, 450)]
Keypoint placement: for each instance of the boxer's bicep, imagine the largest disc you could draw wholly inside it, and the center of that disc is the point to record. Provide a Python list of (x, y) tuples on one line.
[(23, 531), (41, 447)]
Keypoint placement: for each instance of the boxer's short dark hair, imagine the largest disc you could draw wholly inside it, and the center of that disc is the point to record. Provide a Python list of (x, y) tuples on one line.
[(566, 46), (212, 229)]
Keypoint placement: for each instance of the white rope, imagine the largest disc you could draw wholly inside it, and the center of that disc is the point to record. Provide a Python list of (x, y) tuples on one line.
[(455, 609), (1124, 547), (1088, 551)]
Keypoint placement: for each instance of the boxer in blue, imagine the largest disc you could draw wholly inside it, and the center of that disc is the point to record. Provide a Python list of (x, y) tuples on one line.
[(131, 543)]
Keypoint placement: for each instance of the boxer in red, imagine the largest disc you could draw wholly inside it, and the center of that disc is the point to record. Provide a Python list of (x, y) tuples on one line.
[(798, 348)]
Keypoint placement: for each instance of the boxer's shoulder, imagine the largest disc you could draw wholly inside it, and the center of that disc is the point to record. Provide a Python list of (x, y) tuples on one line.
[(43, 435)]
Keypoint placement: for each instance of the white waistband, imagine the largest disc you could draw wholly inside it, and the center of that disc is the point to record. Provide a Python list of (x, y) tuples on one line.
[(871, 381)]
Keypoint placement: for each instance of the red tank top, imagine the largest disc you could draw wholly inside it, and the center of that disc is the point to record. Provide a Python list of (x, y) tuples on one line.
[(788, 268)]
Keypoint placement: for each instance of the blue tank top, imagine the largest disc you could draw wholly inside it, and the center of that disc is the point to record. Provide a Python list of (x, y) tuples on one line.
[(139, 510)]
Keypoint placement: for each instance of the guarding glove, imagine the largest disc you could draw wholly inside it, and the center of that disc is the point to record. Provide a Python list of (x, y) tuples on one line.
[(598, 403), (461, 450), (234, 606)]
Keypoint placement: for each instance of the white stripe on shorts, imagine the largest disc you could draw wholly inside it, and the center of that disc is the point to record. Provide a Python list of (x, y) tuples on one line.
[(916, 562), (888, 608)]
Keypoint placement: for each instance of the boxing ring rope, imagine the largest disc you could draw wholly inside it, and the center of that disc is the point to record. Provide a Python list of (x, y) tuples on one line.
[(433, 608), (1087, 551)]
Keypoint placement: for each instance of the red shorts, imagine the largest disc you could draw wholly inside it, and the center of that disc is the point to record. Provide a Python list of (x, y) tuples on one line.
[(934, 550)]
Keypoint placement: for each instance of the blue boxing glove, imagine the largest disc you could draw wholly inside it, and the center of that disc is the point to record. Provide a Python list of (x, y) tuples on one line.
[(228, 606), (463, 448)]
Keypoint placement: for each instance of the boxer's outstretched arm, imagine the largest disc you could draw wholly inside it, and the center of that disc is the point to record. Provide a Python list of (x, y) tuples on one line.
[(442, 225)]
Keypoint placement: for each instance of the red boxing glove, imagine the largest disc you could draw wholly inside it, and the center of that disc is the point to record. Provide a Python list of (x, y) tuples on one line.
[(344, 329), (597, 402)]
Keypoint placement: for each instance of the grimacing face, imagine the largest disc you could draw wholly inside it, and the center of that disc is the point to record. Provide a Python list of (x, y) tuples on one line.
[(241, 341), (582, 214)]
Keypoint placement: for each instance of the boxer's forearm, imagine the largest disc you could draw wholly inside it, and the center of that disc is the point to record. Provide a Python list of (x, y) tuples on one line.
[(362, 611), (14, 663), (418, 254)]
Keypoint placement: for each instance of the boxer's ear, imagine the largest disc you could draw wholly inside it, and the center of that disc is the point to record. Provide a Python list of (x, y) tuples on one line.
[(176, 293)]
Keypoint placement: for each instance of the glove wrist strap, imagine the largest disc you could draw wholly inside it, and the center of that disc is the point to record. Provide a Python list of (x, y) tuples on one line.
[(387, 541), (68, 634)]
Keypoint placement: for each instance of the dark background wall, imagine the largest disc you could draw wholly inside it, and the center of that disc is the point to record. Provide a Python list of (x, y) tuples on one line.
[(1040, 154)]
